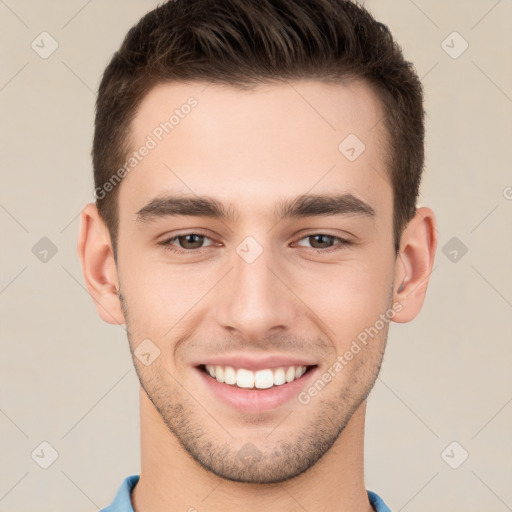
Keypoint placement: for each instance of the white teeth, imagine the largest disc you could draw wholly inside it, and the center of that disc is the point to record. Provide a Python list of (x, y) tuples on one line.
[(299, 371), (219, 373), (244, 378), (229, 375), (279, 377), (290, 374), (261, 379)]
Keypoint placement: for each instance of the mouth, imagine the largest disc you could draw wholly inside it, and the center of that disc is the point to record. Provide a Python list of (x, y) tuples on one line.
[(266, 378), (254, 391)]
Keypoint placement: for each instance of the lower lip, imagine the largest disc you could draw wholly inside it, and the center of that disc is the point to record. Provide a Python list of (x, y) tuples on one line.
[(257, 400)]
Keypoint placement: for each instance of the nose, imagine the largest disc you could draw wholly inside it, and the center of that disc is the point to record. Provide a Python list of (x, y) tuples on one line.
[(254, 301)]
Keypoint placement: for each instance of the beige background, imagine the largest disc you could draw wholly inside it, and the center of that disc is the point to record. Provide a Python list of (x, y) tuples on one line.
[(67, 378)]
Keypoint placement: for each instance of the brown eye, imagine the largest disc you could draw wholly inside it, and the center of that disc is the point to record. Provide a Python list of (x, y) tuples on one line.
[(190, 241), (323, 242), (187, 242)]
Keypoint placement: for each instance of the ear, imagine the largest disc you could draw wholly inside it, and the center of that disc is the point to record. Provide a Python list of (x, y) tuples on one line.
[(98, 265), (414, 263)]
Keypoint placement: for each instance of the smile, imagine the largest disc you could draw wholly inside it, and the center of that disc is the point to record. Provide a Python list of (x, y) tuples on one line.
[(254, 391), (261, 379)]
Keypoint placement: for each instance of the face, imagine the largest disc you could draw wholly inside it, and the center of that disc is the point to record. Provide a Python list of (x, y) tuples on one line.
[(276, 252)]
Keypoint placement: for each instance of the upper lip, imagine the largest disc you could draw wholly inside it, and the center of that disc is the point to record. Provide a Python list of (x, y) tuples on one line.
[(251, 362)]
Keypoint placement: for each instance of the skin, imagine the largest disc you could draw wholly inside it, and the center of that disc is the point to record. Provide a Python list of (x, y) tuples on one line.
[(250, 150)]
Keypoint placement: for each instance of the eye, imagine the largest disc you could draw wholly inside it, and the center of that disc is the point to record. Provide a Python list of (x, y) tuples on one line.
[(186, 242), (194, 242), (324, 242)]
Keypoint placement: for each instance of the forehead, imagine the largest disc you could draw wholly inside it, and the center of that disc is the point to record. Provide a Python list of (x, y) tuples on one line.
[(270, 142)]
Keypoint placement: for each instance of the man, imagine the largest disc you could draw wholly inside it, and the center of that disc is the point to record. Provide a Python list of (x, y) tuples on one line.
[(257, 166)]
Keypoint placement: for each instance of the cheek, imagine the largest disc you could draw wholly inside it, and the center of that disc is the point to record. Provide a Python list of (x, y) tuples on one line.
[(158, 295), (349, 297)]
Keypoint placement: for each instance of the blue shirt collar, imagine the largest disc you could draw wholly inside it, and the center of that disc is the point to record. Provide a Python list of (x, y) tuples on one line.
[(122, 502)]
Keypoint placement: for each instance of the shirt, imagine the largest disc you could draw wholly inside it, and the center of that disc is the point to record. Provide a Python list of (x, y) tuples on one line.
[(122, 502)]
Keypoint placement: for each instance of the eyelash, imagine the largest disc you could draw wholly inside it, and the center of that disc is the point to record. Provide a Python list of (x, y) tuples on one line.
[(167, 244)]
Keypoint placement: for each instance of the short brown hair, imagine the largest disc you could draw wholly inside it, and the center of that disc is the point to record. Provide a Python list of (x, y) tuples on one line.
[(244, 43)]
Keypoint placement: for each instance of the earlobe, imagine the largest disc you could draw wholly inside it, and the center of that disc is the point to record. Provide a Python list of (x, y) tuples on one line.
[(414, 264), (98, 265)]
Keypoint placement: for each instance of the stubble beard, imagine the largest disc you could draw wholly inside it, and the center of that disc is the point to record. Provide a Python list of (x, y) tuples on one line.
[(249, 460)]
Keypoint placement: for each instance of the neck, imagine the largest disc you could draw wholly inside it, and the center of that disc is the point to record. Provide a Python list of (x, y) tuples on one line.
[(171, 480)]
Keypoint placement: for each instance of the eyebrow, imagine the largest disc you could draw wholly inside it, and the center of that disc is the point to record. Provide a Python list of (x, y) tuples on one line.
[(306, 205)]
